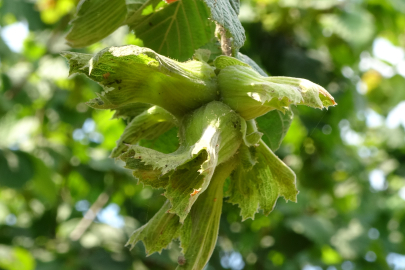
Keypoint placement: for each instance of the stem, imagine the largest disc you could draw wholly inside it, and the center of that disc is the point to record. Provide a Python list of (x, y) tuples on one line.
[(226, 44)]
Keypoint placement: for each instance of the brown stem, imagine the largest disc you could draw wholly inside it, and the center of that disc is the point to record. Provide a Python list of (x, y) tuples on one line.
[(226, 44), (88, 218)]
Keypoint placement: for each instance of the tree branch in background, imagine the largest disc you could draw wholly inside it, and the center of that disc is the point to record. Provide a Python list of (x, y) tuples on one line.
[(89, 217)]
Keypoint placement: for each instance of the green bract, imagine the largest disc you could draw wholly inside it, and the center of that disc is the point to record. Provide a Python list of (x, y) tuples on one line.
[(214, 107), (209, 136), (133, 74), (251, 95)]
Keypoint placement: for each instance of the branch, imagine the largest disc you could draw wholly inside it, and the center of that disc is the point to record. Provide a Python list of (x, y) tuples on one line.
[(89, 217)]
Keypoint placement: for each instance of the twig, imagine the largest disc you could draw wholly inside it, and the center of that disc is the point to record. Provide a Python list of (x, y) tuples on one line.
[(226, 43), (89, 217)]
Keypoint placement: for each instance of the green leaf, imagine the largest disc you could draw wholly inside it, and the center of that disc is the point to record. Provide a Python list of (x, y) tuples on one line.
[(95, 20), (235, 4), (315, 227), (260, 187), (132, 74), (208, 137), (385, 96), (42, 183), (398, 5), (315, 4), (158, 233), (16, 168), (275, 125), (251, 95), (175, 30), (16, 258), (202, 55), (225, 13), (214, 47), (354, 26), (246, 59), (134, 5), (150, 124), (199, 233)]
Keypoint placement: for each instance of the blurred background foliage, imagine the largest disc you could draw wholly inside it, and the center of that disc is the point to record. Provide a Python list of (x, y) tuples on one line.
[(56, 176)]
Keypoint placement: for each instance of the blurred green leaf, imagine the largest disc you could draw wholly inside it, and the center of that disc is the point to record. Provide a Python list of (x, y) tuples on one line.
[(16, 258), (357, 27), (16, 168), (42, 183), (21, 11), (316, 228), (386, 96), (95, 20), (316, 4), (251, 63)]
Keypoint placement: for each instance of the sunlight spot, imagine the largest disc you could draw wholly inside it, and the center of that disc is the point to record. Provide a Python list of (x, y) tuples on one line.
[(311, 267), (401, 68), (396, 116), (347, 265), (232, 261), (206, 139), (377, 180), (395, 260), (401, 193), (89, 125), (82, 205), (151, 110), (361, 87), (110, 216), (385, 50), (348, 135), (373, 233), (373, 119), (14, 35), (370, 256), (347, 72), (255, 96), (368, 62)]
